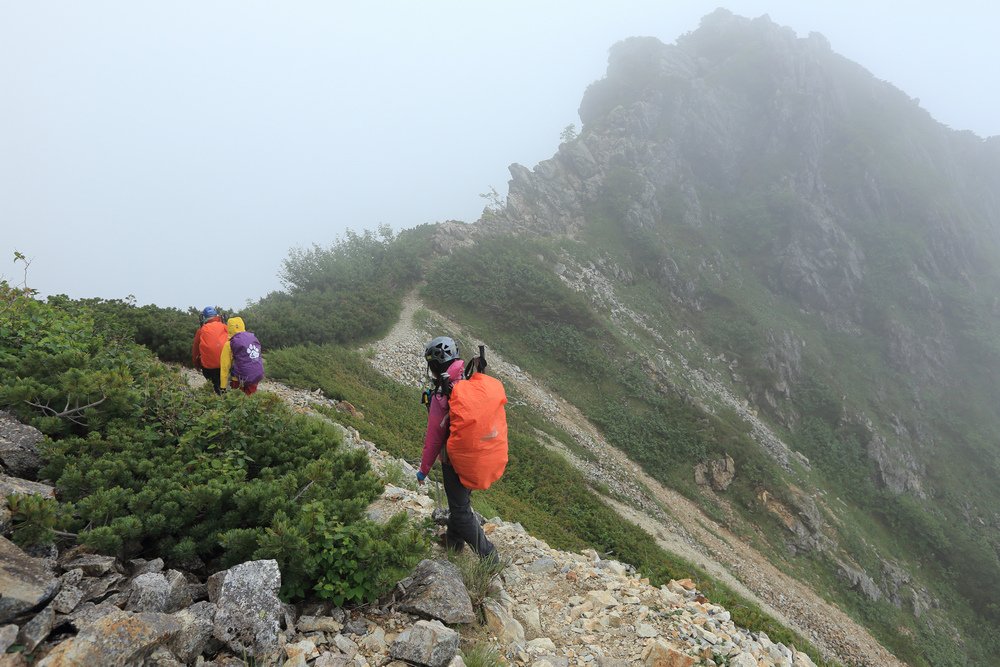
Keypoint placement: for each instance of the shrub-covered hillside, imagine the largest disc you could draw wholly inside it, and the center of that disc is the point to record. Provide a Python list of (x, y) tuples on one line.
[(143, 466)]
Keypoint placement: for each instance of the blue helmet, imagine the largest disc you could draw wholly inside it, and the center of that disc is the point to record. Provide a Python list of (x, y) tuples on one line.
[(208, 312)]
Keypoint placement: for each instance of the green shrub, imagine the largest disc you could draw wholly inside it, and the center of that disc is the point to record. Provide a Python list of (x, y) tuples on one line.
[(482, 655), (346, 293), (151, 468), (478, 575), (352, 563), (34, 519), (167, 332)]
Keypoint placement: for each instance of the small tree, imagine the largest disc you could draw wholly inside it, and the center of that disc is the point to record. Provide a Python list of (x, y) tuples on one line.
[(568, 134), (494, 203)]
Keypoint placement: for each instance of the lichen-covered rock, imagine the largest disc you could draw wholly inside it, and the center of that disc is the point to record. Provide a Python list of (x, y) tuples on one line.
[(93, 565), (501, 623), (196, 624), (16, 486), (249, 611), (116, 640), (25, 582), (8, 635), (428, 643), (19, 447), (147, 592), (436, 590), (37, 629)]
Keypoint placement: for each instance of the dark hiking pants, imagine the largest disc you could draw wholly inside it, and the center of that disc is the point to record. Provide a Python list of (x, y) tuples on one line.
[(463, 528), (213, 375)]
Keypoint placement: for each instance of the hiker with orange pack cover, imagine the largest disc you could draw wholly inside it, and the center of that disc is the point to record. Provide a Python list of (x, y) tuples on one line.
[(467, 430), (206, 350)]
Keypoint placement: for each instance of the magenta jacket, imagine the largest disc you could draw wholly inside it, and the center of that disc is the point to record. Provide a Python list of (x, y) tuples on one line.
[(437, 421)]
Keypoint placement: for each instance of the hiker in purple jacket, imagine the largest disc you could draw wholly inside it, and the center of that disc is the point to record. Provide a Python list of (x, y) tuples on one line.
[(242, 366)]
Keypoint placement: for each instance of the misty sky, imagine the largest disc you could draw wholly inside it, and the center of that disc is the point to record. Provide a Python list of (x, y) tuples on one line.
[(176, 150)]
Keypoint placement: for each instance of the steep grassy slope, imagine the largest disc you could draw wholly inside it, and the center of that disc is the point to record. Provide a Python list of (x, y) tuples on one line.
[(814, 243)]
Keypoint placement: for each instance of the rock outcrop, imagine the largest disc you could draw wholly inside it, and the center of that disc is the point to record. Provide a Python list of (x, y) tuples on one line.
[(19, 455)]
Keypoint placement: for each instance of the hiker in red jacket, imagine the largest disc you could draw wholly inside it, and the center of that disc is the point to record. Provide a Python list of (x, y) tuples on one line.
[(463, 528), (206, 350)]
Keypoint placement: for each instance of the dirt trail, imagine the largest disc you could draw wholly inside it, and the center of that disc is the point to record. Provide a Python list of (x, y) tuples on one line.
[(682, 528)]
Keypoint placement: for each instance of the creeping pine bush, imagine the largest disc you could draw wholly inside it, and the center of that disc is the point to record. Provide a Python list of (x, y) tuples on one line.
[(152, 468)]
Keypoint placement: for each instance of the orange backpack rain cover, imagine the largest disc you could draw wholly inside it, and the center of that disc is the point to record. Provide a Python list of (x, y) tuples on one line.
[(477, 440), (214, 336)]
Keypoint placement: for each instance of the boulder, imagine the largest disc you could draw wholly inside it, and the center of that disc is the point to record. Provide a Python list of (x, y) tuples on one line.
[(503, 625), (147, 592), (196, 624), (19, 447), (661, 654), (93, 565), (178, 591), (16, 486), (8, 635), (318, 624), (428, 643), (249, 611), (88, 613), (436, 590), (162, 657), (37, 629), (25, 582), (116, 640)]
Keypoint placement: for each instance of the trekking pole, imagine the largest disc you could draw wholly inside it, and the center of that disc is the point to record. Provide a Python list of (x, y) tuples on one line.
[(440, 514)]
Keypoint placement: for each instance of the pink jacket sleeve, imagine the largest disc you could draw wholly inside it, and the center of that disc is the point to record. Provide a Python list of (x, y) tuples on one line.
[(437, 432)]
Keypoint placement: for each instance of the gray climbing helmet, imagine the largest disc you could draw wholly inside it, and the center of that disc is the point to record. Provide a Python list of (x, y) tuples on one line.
[(442, 350)]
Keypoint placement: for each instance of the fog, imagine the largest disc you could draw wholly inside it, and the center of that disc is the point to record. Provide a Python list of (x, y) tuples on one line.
[(176, 151)]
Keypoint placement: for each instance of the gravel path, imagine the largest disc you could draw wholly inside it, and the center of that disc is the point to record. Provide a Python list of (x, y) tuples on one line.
[(683, 529)]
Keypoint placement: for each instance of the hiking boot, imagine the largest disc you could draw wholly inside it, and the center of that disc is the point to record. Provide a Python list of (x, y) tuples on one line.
[(492, 558), (455, 546)]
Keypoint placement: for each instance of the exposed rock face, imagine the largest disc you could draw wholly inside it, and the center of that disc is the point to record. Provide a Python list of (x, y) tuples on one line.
[(19, 447), (899, 587), (767, 144), (718, 474), (860, 581), (25, 582)]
